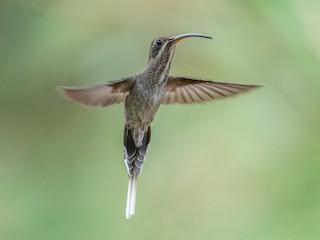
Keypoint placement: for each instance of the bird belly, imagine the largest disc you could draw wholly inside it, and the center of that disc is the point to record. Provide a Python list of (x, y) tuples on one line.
[(140, 110)]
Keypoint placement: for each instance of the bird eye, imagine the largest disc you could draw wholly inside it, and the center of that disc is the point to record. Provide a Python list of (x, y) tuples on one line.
[(159, 42)]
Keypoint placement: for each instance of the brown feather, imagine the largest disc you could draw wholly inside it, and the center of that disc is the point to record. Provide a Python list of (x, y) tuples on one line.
[(189, 90), (104, 94)]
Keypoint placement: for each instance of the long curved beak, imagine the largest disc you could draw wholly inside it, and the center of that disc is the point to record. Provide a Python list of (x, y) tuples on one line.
[(175, 39)]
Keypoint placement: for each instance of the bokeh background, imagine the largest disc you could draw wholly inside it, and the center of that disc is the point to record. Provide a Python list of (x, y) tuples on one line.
[(240, 168)]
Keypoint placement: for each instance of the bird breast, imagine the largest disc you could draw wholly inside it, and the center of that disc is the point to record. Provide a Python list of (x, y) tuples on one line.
[(143, 102)]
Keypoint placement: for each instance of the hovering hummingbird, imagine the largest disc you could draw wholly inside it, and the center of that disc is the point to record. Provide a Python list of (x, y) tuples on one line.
[(142, 95)]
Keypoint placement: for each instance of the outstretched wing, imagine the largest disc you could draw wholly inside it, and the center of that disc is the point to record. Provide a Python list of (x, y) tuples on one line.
[(103, 94), (188, 90)]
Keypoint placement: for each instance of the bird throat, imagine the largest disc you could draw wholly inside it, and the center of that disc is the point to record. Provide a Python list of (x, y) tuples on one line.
[(160, 66)]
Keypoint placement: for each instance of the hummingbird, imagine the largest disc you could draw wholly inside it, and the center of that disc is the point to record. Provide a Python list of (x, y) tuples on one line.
[(142, 95)]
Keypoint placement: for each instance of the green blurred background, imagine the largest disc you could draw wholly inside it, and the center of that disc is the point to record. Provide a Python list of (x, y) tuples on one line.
[(241, 168)]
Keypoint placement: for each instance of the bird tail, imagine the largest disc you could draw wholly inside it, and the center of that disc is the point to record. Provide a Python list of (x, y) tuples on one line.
[(134, 159), (131, 196)]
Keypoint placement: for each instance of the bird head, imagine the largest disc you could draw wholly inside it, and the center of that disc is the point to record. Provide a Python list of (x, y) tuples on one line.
[(162, 48)]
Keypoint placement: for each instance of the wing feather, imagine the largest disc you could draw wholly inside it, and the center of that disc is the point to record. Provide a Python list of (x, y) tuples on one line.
[(189, 90), (103, 94)]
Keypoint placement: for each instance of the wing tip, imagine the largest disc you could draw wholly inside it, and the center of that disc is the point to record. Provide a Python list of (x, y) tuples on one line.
[(70, 94), (62, 90), (65, 92), (257, 86), (253, 88), (246, 88)]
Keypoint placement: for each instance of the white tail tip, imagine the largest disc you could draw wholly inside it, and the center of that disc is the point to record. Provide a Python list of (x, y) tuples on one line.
[(131, 197)]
